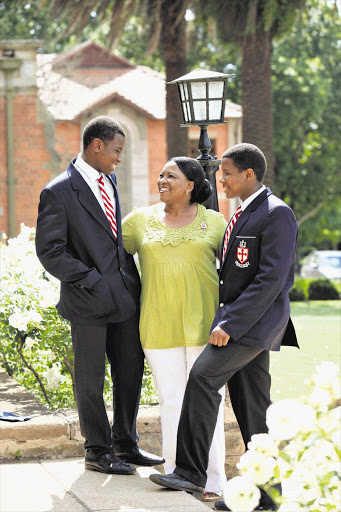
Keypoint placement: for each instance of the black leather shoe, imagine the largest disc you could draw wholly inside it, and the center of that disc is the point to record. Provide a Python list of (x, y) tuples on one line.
[(175, 481), (107, 463), (220, 505), (140, 457)]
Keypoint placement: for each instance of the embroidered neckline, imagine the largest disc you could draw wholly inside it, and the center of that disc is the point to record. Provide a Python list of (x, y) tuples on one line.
[(157, 231)]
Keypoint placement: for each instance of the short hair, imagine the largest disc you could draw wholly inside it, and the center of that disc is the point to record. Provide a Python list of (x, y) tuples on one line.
[(247, 156), (101, 127), (193, 171)]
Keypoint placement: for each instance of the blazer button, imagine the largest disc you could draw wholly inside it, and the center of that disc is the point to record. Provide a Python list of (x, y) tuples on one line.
[(221, 282), (221, 305)]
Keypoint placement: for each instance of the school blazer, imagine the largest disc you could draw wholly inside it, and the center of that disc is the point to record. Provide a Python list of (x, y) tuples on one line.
[(257, 274), (75, 243)]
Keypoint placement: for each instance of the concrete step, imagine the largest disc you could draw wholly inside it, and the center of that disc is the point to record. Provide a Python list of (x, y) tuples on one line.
[(57, 434)]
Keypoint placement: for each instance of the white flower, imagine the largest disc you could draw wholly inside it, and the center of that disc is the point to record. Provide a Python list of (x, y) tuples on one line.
[(320, 399), (299, 490), (241, 495), (48, 293), (34, 317), (263, 443), (328, 378), (257, 467), (305, 474), (18, 321), (287, 417), (321, 456), (53, 376), (29, 342)]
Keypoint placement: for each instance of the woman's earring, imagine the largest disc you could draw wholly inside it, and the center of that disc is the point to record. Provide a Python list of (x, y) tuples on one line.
[(187, 192)]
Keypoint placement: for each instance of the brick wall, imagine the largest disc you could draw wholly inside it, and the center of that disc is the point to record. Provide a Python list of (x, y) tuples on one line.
[(67, 142), (31, 159), (157, 154)]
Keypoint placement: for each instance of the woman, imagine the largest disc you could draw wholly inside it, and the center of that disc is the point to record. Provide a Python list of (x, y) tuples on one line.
[(178, 241)]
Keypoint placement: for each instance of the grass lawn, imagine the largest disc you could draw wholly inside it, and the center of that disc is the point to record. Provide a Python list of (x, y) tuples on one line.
[(318, 329)]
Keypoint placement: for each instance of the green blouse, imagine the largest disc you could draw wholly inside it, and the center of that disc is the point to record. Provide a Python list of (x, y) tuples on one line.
[(178, 273)]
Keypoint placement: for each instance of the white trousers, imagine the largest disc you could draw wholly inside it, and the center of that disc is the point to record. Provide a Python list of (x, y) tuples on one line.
[(170, 368)]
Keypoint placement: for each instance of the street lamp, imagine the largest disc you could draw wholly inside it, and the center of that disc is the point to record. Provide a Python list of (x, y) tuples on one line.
[(202, 97)]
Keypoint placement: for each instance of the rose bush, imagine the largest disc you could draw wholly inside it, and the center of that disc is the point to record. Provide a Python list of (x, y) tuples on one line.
[(36, 346), (302, 451)]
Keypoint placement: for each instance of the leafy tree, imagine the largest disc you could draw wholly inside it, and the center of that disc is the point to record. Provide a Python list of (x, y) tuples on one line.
[(29, 20), (306, 75), (253, 25)]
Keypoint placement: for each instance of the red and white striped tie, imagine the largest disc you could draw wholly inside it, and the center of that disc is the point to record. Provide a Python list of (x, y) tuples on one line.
[(229, 229), (109, 210)]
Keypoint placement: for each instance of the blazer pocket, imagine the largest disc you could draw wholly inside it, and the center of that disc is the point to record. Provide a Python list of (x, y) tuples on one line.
[(261, 329), (95, 302)]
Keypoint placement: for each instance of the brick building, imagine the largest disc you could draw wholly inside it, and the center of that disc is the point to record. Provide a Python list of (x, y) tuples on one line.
[(45, 102)]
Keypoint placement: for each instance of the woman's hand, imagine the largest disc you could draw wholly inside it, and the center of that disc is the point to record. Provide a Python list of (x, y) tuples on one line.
[(219, 337)]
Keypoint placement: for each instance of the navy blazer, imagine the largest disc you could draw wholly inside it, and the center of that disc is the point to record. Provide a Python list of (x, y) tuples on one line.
[(75, 243), (257, 274)]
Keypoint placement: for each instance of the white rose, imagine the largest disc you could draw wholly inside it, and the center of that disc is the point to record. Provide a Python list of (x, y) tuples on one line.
[(30, 342), (263, 443), (321, 456), (48, 293), (18, 321), (320, 399), (53, 376), (327, 377), (34, 317), (241, 495), (287, 417), (257, 467)]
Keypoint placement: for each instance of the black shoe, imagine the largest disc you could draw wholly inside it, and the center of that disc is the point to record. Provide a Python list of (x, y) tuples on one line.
[(220, 505), (140, 457), (175, 481), (107, 463)]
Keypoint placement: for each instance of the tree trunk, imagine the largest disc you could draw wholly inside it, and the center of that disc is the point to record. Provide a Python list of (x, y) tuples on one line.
[(174, 49), (256, 96)]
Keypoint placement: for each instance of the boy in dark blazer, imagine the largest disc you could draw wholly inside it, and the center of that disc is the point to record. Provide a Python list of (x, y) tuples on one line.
[(256, 273), (79, 241)]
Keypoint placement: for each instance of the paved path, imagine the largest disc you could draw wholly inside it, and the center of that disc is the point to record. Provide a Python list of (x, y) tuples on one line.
[(64, 486), (40, 484)]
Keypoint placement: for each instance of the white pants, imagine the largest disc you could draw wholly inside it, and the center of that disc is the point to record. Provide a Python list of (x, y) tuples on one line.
[(170, 368)]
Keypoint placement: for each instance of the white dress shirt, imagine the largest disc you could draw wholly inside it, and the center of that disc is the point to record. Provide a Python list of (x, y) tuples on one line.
[(91, 176), (248, 200)]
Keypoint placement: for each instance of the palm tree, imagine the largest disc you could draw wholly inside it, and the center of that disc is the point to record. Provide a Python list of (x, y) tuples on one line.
[(253, 24), (165, 22)]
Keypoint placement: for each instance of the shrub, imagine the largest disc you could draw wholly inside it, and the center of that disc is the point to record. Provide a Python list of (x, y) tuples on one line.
[(322, 289), (35, 342), (296, 295), (301, 450)]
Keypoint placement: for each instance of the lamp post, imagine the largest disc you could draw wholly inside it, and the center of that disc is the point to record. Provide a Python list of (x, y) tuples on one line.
[(202, 97)]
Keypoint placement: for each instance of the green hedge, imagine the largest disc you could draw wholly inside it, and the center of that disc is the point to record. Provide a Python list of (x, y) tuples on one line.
[(314, 289)]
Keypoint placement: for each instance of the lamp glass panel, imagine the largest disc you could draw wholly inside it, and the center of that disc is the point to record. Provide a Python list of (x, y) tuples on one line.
[(182, 94), (214, 110), (215, 89), (199, 108), (189, 113), (198, 90), (184, 109), (185, 90)]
